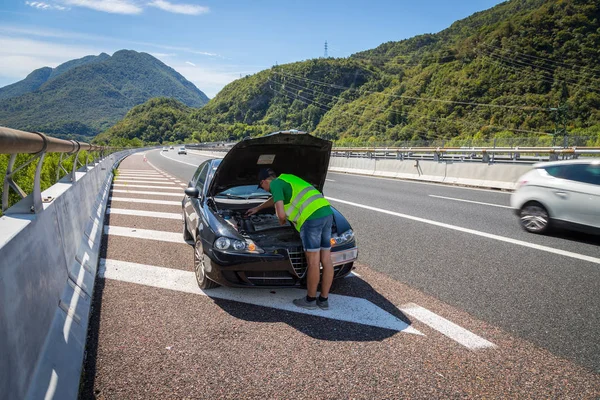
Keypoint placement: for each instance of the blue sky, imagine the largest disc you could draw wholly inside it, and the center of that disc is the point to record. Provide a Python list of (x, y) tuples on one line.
[(211, 42)]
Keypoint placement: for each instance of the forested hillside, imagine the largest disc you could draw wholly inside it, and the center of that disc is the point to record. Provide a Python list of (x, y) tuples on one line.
[(88, 95), (522, 68)]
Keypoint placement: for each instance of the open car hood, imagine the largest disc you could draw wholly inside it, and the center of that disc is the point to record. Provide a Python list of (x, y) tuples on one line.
[(300, 154)]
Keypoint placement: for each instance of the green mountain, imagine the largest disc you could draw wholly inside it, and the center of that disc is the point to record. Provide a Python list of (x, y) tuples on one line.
[(521, 68), (88, 95)]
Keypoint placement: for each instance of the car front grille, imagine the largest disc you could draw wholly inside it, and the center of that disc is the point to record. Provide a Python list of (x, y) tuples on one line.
[(298, 260), (271, 278)]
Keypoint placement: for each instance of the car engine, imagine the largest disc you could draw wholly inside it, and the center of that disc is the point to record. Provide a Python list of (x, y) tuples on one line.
[(254, 223)]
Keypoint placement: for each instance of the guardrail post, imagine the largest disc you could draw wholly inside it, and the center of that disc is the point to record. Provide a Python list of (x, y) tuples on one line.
[(75, 161)]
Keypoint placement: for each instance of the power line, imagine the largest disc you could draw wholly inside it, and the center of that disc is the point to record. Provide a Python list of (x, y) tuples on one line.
[(327, 108), (571, 66), (548, 73), (529, 108)]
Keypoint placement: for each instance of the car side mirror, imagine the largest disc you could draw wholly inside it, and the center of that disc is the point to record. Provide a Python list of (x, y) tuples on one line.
[(192, 192)]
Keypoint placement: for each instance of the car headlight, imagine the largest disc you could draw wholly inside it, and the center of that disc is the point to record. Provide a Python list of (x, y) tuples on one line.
[(246, 246), (346, 237)]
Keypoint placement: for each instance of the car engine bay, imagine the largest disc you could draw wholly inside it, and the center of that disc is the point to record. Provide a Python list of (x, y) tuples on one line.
[(262, 228)]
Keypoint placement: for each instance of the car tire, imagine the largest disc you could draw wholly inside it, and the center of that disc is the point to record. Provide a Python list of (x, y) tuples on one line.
[(203, 281), (187, 236), (534, 218)]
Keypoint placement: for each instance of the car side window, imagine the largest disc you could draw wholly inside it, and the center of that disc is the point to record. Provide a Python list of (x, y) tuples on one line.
[(198, 171), (555, 171), (585, 173), (202, 178)]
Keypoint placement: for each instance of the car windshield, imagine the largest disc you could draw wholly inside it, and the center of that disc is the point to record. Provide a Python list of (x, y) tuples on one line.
[(244, 192)]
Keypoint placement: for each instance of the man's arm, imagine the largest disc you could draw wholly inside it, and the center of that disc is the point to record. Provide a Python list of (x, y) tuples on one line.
[(266, 204), (280, 212)]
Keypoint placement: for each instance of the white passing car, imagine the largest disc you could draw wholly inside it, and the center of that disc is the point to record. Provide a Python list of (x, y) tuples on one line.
[(182, 150), (559, 193)]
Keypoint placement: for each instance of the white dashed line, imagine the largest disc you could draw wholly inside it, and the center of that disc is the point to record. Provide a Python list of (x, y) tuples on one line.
[(145, 201), (144, 234), (161, 182), (469, 201), (135, 171), (141, 213), (447, 328), (147, 186), (180, 195), (144, 178), (343, 308), (474, 232)]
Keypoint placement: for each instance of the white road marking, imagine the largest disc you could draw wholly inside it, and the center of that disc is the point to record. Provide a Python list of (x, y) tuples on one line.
[(343, 308), (136, 233), (142, 213), (145, 201), (420, 183), (180, 195), (147, 186), (329, 180), (353, 275), (179, 161), (469, 201), (135, 171), (474, 232), (147, 178), (161, 182), (447, 328)]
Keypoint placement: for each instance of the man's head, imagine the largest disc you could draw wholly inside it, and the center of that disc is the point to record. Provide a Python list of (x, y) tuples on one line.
[(265, 176)]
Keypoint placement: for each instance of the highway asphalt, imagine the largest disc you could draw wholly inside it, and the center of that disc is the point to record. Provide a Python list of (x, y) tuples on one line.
[(453, 309), (464, 247)]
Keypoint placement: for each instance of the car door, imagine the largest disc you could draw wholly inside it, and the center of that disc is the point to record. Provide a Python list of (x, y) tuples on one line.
[(192, 205), (583, 192)]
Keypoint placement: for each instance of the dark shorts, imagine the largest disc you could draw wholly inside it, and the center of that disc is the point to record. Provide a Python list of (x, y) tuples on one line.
[(316, 234)]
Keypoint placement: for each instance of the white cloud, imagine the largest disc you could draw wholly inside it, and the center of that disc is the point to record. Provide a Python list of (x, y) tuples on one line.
[(163, 55), (44, 6), (188, 9), (110, 6), (19, 57), (209, 80), (190, 63)]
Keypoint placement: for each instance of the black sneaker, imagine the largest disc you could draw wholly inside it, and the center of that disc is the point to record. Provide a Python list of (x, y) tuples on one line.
[(303, 303), (323, 305)]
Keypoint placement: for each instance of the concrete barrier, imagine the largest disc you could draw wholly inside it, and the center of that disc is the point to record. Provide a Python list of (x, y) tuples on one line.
[(494, 176), (47, 271)]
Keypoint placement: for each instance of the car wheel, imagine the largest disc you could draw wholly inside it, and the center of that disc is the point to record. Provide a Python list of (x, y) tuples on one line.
[(203, 281), (187, 236), (534, 218)]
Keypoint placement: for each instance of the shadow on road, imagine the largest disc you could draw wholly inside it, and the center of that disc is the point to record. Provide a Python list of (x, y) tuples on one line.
[(317, 327), (88, 375), (575, 236)]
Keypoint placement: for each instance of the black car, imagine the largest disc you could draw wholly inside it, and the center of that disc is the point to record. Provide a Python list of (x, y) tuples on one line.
[(234, 250)]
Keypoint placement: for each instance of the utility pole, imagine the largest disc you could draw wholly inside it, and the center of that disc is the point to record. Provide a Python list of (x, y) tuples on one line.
[(326, 55), (560, 123)]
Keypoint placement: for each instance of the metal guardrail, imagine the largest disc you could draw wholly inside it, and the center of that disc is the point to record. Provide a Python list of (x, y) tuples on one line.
[(525, 155), (37, 144), (482, 154)]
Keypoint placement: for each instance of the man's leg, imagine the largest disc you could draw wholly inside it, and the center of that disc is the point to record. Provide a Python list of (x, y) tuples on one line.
[(312, 273), (327, 277)]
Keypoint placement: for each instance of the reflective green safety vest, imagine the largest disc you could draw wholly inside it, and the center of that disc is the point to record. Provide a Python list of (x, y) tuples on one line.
[(305, 200)]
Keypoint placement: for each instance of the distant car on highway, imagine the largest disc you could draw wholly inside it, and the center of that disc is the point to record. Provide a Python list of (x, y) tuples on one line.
[(182, 150), (235, 250), (165, 148), (559, 194), (171, 148)]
